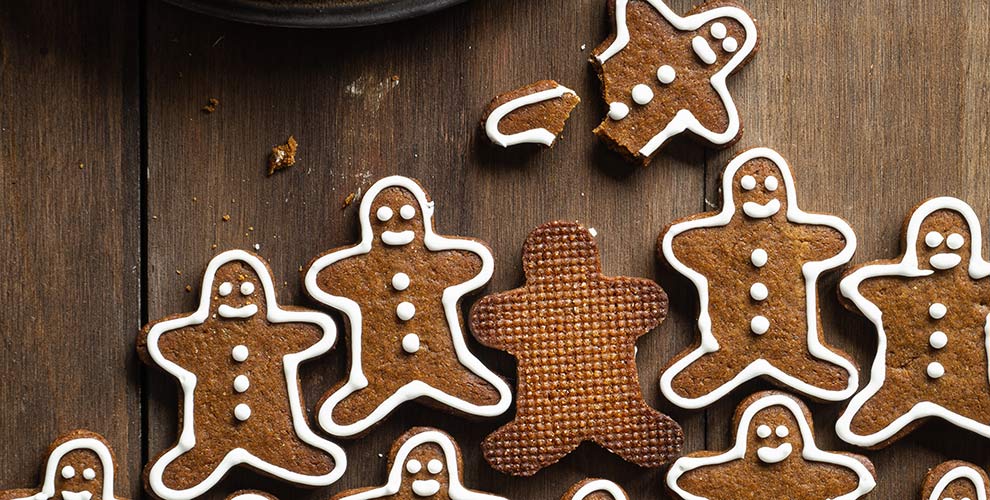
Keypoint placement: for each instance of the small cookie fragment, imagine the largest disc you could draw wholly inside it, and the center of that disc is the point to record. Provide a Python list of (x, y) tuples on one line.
[(534, 114), (774, 456), (250, 495), (283, 156), (595, 489), (424, 463), (663, 75), (80, 466), (211, 105), (957, 480), (573, 331)]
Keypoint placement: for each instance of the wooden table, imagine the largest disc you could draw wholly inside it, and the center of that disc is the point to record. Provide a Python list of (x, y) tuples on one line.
[(116, 184)]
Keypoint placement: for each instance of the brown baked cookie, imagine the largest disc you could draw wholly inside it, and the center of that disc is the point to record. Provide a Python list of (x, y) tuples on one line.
[(400, 289), (930, 309), (250, 495), (534, 114), (236, 360), (595, 489), (424, 462), (573, 331), (663, 75), (755, 264), (774, 456), (80, 466), (955, 480)]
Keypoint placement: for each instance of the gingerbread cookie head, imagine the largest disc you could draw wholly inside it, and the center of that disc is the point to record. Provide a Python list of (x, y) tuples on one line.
[(237, 291), (546, 260), (956, 480), (80, 466), (945, 238), (396, 216), (251, 495), (595, 489), (757, 189)]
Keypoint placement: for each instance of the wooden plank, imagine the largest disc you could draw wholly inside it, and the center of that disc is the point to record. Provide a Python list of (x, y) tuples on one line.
[(70, 293)]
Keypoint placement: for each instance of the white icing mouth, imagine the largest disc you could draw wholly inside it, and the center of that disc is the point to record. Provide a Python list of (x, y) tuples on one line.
[(757, 211), (398, 238), (237, 312), (774, 455), (703, 50), (425, 487), (74, 495), (945, 260)]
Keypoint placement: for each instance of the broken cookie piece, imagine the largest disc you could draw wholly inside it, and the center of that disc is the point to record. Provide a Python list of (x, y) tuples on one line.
[(283, 156), (534, 114)]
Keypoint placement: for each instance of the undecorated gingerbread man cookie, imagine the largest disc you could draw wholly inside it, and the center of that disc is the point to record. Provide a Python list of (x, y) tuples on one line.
[(774, 456), (755, 265), (930, 310), (80, 466), (424, 463), (573, 332), (955, 480), (400, 290), (236, 359), (595, 489)]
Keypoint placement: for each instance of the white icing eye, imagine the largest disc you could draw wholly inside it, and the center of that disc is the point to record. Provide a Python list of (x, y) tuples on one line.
[(225, 289), (384, 214), (407, 212), (933, 239), (782, 431), (666, 74), (68, 472), (764, 431), (413, 466), (771, 183), (719, 31), (247, 288), (748, 182), (89, 474), (730, 44), (955, 241), (435, 466)]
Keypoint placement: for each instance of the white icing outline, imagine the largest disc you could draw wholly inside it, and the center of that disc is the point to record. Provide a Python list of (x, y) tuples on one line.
[(685, 120), (810, 270), (249, 496), (532, 136), (187, 380), (908, 267), (451, 296), (51, 468), (456, 490), (810, 452), (960, 472), (600, 485)]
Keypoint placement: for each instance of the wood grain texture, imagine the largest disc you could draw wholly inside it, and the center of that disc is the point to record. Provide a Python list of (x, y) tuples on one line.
[(70, 286)]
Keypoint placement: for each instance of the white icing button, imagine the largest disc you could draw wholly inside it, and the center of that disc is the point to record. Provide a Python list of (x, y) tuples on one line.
[(938, 340), (413, 466), (247, 288), (759, 257), (764, 431), (241, 383), (400, 281), (242, 412), (642, 94), (719, 31), (384, 214), (666, 74), (239, 353), (435, 466), (225, 289), (955, 241), (758, 291), (617, 111), (730, 44), (410, 343), (68, 472), (405, 311), (771, 183), (759, 325), (782, 431), (933, 239), (89, 474), (407, 212), (935, 370), (748, 182), (937, 311)]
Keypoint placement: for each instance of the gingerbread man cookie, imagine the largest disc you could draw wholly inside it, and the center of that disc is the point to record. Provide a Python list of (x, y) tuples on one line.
[(80, 466), (755, 265), (774, 456), (930, 310), (955, 480), (424, 462), (573, 332), (534, 114), (664, 75), (400, 289), (595, 489), (250, 495), (236, 360)]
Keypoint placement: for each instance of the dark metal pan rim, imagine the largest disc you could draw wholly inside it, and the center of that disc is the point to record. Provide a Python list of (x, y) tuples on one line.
[(315, 14)]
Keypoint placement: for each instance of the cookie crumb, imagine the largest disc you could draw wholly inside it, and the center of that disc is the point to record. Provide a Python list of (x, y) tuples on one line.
[(283, 156), (226, 217), (348, 200), (257, 246), (178, 272), (188, 288), (213, 246), (211, 105), (82, 166)]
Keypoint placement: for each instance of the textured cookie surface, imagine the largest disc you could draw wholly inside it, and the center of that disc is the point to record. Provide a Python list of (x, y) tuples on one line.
[(80, 466), (956, 480), (755, 265), (774, 456), (595, 489), (663, 74), (573, 332), (533, 114)]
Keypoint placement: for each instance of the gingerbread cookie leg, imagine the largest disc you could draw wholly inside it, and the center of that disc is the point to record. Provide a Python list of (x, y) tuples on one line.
[(504, 453), (653, 430)]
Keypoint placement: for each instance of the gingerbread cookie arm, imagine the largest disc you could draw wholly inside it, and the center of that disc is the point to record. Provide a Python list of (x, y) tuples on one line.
[(487, 322)]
